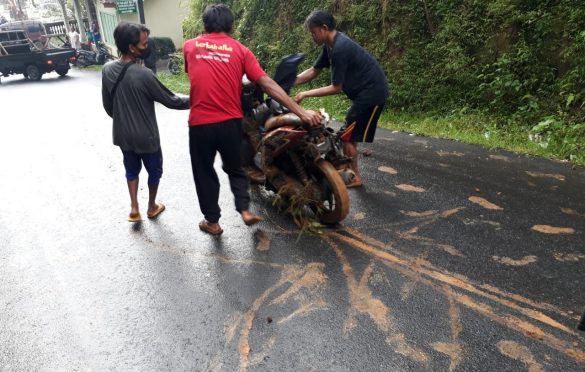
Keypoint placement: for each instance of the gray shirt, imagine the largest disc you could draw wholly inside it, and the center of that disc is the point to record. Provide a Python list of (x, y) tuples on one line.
[(135, 127)]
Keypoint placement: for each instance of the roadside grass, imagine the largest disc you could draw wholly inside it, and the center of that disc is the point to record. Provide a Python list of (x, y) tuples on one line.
[(562, 142), (176, 83), (92, 68)]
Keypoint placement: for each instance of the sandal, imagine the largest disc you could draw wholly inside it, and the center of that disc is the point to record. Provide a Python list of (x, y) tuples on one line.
[(206, 226), (160, 207), (134, 217)]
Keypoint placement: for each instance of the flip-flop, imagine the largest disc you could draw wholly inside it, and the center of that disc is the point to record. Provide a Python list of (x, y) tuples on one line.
[(252, 220), (134, 217), (160, 207), (205, 227)]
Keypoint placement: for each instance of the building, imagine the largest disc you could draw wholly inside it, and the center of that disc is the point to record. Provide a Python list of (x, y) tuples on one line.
[(164, 18)]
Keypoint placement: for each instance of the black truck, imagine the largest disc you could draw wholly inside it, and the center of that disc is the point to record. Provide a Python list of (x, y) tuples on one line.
[(18, 55)]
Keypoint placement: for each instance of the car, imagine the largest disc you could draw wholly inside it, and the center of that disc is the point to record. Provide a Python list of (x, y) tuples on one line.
[(18, 55), (33, 29)]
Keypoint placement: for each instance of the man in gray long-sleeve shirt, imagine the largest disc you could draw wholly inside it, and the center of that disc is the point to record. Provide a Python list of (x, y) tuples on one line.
[(128, 93)]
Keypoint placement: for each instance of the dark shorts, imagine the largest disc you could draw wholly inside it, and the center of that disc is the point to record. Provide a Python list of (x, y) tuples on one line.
[(153, 163), (361, 122)]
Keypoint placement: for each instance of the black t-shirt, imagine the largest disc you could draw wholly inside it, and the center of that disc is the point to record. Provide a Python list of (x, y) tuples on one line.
[(352, 66)]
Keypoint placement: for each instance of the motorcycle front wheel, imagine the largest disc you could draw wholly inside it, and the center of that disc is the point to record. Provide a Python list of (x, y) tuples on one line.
[(334, 205)]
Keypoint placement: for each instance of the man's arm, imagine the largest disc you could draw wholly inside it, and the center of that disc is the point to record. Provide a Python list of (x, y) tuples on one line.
[(276, 92), (307, 75), (107, 100), (319, 92), (159, 93)]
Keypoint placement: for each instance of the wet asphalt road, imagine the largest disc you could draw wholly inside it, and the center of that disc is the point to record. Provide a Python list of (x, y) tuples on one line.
[(452, 258)]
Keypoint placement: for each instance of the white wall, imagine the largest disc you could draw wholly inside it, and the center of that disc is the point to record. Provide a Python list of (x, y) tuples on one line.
[(165, 18)]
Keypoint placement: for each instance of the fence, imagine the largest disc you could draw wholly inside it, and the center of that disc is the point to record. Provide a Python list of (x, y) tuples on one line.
[(58, 28)]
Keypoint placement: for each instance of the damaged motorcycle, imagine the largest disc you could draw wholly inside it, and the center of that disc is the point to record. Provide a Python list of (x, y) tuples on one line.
[(304, 165)]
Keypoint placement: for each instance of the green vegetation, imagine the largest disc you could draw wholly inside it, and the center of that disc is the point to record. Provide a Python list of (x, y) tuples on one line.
[(490, 72)]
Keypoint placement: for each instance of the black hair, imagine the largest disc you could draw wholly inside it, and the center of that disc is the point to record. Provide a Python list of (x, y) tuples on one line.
[(218, 18), (320, 18), (126, 34)]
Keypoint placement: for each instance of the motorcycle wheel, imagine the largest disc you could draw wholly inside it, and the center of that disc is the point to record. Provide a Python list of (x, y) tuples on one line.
[(335, 204)]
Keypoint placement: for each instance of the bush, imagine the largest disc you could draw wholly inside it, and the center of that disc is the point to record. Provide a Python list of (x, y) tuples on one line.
[(520, 60), (164, 46)]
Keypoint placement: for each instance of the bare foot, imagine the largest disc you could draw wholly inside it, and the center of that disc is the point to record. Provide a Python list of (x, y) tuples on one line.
[(250, 218), (367, 152), (357, 182)]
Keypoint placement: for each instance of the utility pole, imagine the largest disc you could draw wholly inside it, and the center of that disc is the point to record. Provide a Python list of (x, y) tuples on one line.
[(141, 11), (79, 17), (65, 16), (90, 15)]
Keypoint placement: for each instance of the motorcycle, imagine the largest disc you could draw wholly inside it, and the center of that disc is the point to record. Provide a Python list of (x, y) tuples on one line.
[(304, 165), (99, 56)]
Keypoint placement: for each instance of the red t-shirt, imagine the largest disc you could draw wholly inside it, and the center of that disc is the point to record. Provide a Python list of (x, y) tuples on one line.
[(216, 64)]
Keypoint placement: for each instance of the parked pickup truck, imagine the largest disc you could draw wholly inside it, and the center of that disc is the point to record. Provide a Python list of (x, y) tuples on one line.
[(18, 55)]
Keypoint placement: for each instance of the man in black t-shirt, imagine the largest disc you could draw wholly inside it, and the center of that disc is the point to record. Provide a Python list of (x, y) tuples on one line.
[(353, 71)]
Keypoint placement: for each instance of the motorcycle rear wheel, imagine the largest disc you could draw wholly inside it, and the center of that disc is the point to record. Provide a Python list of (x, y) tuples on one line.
[(335, 204)]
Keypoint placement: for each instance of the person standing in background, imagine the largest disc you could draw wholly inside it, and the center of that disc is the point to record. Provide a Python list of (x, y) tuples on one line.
[(74, 38)]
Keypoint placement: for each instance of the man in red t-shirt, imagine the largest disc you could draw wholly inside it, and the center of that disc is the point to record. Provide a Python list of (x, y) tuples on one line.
[(216, 64)]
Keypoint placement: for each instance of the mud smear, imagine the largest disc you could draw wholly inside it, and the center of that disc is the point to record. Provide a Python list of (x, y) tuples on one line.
[(520, 353), (421, 142), (546, 229), (558, 177), (359, 216), (409, 286), (484, 203), (419, 214), (306, 306), (388, 170), (527, 260), (231, 326), (299, 277), (572, 212), (494, 224), (260, 356), (452, 153), (263, 241), (362, 301), (500, 157), (410, 188), (214, 365), (391, 193), (453, 349), (451, 250), (569, 257), (456, 281)]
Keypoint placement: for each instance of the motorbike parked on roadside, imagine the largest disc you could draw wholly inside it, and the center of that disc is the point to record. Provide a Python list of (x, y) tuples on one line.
[(98, 56), (302, 164)]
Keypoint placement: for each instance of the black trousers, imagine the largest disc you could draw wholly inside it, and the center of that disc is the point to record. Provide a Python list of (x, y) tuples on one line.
[(204, 142)]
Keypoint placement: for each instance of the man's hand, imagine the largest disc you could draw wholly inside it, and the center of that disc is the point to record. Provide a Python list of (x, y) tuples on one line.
[(313, 118), (299, 97)]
